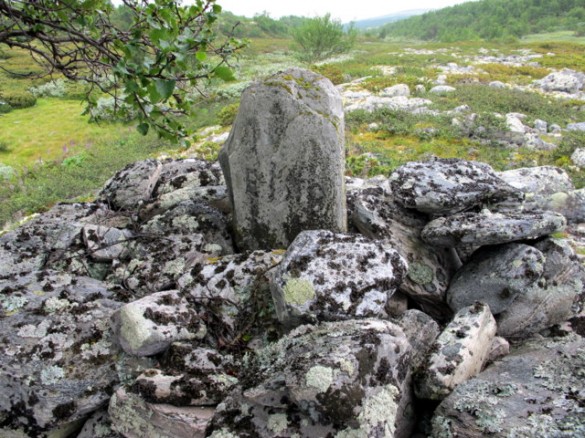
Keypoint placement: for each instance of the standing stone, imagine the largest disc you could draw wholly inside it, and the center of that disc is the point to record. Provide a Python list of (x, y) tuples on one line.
[(284, 160)]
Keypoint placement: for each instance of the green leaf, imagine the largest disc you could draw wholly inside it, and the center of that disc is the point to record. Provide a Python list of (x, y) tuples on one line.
[(224, 73), (165, 88), (201, 56), (143, 128)]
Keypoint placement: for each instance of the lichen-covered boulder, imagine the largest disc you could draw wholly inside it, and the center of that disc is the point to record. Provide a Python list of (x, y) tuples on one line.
[(344, 379), (284, 160), (232, 291), (570, 204), (132, 186), (329, 276), (186, 180), (535, 391), (57, 349), (566, 81), (106, 243), (376, 215), (557, 296), (133, 417), (496, 275), (149, 325), (459, 352), (446, 186), (98, 425), (487, 228)]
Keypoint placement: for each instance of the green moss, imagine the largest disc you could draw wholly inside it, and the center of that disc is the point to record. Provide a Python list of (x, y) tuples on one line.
[(420, 273)]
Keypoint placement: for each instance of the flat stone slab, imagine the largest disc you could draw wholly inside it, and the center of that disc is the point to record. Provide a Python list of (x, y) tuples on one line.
[(496, 275), (335, 276), (486, 228), (460, 351), (132, 417), (538, 181), (446, 186)]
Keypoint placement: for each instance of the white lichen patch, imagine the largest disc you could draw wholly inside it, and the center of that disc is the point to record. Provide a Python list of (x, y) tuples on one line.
[(52, 375), (277, 423), (298, 291), (175, 267), (346, 366), (13, 304), (54, 304), (91, 351), (222, 433), (34, 331), (319, 377)]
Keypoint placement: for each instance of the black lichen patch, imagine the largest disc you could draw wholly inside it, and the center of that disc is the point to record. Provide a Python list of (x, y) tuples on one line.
[(64, 410)]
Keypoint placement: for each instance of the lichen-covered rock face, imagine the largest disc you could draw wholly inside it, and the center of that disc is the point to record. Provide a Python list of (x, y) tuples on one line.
[(106, 243), (348, 378), (328, 276), (56, 349), (148, 326), (487, 228), (98, 426), (459, 352), (284, 160), (377, 216), (570, 204), (538, 181), (133, 417), (536, 391), (496, 275), (555, 297), (446, 186)]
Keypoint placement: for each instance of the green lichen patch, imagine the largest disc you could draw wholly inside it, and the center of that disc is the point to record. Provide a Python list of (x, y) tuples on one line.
[(420, 273), (298, 291)]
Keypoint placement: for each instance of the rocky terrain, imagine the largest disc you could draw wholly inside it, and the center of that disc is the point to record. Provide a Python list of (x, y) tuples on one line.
[(445, 300)]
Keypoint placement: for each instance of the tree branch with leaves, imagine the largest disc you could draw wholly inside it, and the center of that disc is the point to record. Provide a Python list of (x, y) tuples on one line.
[(151, 66)]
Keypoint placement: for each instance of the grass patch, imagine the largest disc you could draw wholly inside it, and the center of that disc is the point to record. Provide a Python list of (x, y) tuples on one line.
[(77, 177), (50, 130)]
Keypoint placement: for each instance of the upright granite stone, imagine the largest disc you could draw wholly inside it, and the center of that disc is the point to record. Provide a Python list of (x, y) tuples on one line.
[(284, 160)]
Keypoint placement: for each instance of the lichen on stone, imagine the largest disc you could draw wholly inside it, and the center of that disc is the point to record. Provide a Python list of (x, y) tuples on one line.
[(277, 423), (420, 273), (13, 304), (298, 291), (320, 377), (51, 375)]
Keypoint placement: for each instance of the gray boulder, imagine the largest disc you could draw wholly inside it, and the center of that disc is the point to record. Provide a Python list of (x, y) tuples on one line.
[(377, 216), (496, 275), (486, 228), (57, 349), (566, 81), (570, 204), (554, 298), (576, 126), (335, 276), (347, 379), (445, 186), (98, 426), (536, 391), (578, 157), (396, 90), (284, 160), (459, 352), (441, 89), (106, 243)]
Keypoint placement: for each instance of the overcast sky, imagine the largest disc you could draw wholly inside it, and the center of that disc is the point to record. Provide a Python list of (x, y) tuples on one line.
[(343, 10)]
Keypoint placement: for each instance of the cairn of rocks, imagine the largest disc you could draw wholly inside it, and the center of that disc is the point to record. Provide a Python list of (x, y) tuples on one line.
[(451, 305)]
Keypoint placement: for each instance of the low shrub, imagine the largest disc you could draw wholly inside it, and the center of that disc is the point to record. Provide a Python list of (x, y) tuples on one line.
[(18, 99), (228, 113), (49, 89)]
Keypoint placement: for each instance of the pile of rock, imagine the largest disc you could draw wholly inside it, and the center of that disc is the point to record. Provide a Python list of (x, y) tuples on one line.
[(139, 303)]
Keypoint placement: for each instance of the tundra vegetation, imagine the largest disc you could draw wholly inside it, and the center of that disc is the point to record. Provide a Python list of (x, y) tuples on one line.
[(50, 150)]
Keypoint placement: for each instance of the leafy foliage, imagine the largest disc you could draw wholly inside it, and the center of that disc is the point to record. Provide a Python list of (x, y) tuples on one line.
[(147, 57), (321, 37), (491, 19)]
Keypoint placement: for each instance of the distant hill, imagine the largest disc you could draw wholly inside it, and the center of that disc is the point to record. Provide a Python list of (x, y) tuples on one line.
[(491, 19), (370, 23)]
